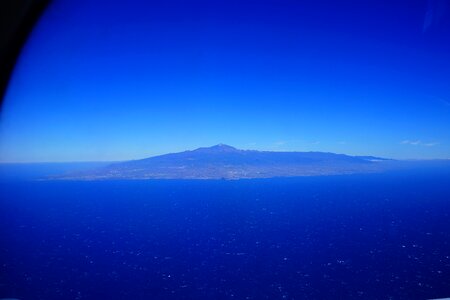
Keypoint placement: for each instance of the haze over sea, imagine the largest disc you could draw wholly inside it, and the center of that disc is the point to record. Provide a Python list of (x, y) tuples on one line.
[(373, 236)]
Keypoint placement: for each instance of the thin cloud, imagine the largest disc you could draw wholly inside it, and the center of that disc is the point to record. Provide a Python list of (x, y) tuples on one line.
[(408, 142), (436, 9), (445, 102), (430, 144), (418, 143)]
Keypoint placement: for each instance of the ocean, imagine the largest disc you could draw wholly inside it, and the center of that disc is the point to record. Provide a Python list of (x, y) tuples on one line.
[(373, 236)]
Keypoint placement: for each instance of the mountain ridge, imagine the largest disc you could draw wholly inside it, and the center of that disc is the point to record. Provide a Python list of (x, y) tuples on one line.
[(227, 162)]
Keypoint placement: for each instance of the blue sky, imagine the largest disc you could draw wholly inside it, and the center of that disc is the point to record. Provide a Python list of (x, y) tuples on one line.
[(116, 80)]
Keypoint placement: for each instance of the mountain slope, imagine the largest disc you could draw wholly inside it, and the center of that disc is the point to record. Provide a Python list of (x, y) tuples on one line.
[(226, 162)]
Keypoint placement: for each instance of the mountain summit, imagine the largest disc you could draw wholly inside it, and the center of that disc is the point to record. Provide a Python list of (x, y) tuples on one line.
[(219, 148), (226, 162)]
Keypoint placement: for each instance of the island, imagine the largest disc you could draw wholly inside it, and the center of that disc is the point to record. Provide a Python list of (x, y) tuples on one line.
[(227, 162)]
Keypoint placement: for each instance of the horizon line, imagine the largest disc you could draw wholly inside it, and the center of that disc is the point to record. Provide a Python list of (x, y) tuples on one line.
[(206, 147)]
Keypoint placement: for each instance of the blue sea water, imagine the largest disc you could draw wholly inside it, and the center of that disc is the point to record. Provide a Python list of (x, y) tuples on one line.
[(376, 236)]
